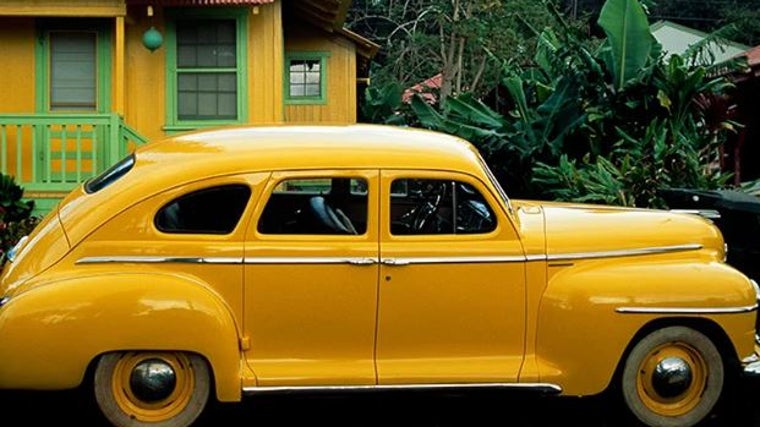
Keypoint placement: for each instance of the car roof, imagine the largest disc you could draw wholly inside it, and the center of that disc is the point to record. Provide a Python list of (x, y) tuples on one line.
[(301, 147)]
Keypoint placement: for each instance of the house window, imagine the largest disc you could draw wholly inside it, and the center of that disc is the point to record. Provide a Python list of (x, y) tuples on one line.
[(306, 81), (73, 71), (206, 75)]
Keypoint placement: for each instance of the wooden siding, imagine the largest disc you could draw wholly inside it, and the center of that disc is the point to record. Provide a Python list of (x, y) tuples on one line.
[(17, 82), (341, 76), (265, 62)]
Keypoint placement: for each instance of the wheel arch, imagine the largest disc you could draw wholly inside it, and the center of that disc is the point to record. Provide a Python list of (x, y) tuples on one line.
[(116, 312)]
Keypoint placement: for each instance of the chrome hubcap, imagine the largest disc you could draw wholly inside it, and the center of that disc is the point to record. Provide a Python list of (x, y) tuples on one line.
[(152, 380), (671, 377)]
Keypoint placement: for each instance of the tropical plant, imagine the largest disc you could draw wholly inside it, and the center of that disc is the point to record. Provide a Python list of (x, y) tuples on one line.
[(609, 122), (16, 219)]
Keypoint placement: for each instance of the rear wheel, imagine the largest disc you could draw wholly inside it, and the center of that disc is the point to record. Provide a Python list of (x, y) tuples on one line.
[(673, 377), (158, 389)]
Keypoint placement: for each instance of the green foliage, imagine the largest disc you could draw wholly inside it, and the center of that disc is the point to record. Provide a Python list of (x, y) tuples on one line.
[(609, 122), (12, 206), (628, 38), (16, 218)]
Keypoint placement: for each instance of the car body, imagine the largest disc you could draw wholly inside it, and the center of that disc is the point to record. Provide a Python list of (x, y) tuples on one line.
[(362, 257)]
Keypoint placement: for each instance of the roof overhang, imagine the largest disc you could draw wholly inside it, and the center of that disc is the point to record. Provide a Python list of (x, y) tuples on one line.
[(174, 3), (53, 8)]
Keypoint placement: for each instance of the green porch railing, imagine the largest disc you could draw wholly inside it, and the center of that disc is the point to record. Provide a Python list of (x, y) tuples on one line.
[(50, 154)]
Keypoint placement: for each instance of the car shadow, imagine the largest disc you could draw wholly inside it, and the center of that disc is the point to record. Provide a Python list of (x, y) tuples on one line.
[(384, 410)]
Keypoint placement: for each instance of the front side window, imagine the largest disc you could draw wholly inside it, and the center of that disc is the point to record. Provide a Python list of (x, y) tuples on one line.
[(433, 206), (306, 78), (214, 210), (207, 67), (321, 206)]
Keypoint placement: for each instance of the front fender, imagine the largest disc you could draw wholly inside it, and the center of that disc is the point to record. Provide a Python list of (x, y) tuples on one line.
[(582, 335), (51, 332)]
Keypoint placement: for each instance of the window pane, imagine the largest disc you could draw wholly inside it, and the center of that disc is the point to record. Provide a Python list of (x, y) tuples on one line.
[(429, 206), (207, 96), (215, 210), (207, 43), (305, 78), (312, 90), (316, 206), (73, 71)]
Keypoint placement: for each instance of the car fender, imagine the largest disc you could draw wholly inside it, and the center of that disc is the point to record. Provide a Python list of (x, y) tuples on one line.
[(584, 326), (50, 333)]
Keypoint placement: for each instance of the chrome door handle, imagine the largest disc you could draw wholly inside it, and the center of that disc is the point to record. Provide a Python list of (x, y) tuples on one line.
[(362, 261), (394, 262)]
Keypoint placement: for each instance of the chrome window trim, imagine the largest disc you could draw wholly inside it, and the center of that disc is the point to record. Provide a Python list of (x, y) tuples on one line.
[(543, 387), (686, 310)]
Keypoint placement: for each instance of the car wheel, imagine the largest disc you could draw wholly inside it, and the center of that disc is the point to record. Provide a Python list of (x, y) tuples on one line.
[(160, 389), (673, 377)]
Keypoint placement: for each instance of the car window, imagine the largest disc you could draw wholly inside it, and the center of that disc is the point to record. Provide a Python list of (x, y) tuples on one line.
[(432, 206), (214, 210), (332, 205)]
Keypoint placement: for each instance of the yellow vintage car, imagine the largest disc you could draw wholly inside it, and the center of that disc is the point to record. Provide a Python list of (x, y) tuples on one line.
[(237, 261)]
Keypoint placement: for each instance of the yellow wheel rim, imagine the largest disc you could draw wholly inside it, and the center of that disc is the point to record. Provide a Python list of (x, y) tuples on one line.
[(681, 403), (156, 410)]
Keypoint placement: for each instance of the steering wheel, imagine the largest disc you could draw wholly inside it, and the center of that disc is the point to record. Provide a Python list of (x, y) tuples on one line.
[(426, 210)]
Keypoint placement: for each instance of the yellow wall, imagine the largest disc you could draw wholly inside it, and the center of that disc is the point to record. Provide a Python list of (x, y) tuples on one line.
[(265, 62), (341, 76), (17, 86), (145, 72), (17, 67)]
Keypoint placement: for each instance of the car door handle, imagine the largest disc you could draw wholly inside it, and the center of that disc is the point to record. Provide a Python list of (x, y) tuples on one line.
[(362, 261), (394, 262)]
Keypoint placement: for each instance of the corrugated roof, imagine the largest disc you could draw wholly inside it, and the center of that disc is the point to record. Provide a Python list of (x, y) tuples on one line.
[(199, 2)]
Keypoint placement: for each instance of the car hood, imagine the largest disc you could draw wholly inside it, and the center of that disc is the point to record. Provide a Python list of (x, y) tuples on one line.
[(582, 230)]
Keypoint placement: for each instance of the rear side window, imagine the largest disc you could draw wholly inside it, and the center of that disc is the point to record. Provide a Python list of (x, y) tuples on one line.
[(110, 175), (215, 210)]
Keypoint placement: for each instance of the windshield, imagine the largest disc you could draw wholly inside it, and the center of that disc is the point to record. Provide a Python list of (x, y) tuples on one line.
[(110, 175)]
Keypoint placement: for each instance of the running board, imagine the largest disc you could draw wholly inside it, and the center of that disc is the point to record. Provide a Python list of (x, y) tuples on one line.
[(541, 388)]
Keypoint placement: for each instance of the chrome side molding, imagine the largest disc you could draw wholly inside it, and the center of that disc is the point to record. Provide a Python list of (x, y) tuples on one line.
[(542, 388)]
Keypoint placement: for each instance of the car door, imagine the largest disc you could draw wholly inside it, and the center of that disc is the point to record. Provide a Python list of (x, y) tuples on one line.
[(311, 266), (452, 282)]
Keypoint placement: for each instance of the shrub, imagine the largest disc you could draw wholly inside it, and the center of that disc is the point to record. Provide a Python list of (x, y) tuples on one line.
[(16, 219)]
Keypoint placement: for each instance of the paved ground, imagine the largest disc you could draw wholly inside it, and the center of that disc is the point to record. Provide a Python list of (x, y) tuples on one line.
[(49, 409)]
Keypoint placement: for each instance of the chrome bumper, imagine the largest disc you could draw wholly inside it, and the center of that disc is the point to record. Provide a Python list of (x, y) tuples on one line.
[(751, 364)]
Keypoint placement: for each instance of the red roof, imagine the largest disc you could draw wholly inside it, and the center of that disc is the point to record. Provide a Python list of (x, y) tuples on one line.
[(199, 2), (424, 88), (753, 56)]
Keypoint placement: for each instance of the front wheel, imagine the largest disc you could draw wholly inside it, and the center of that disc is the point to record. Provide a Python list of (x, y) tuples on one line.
[(157, 389), (673, 377)]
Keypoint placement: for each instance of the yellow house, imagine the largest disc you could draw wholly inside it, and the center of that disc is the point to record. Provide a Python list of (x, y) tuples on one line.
[(84, 81)]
